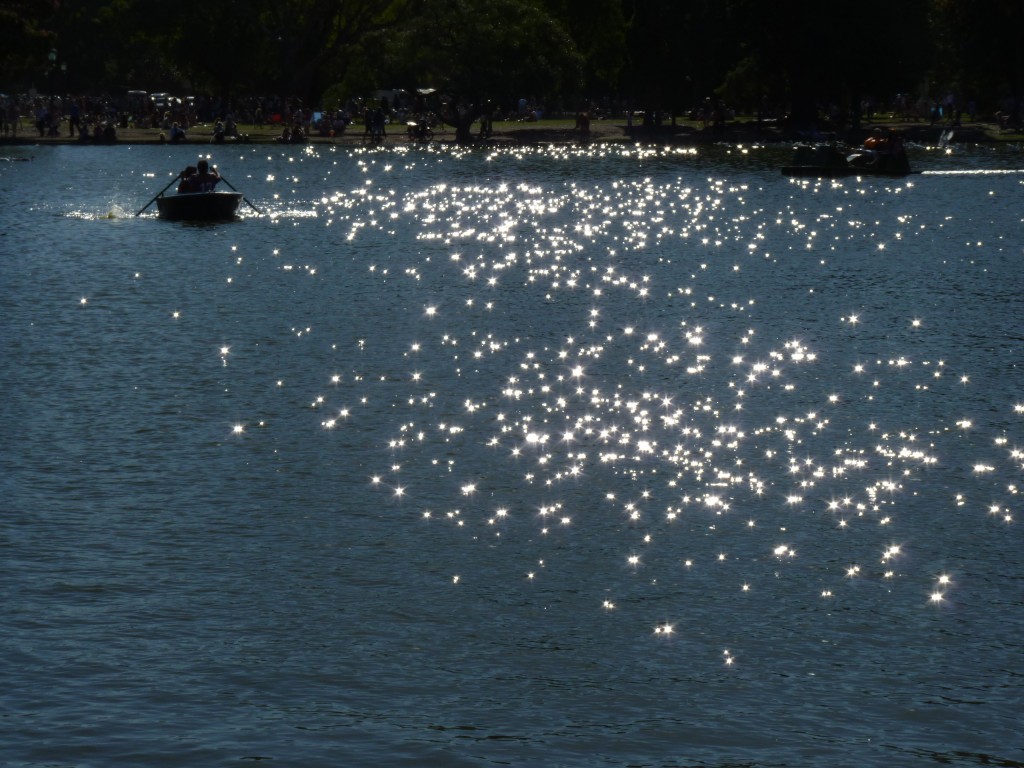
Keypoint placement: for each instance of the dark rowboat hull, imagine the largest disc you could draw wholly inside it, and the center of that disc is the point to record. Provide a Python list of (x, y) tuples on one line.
[(826, 161), (199, 206)]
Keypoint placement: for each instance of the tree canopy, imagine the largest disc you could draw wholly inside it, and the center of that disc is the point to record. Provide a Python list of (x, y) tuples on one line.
[(792, 57)]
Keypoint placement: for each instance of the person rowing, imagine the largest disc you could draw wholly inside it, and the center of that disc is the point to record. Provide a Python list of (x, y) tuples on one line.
[(207, 177), (199, 178)]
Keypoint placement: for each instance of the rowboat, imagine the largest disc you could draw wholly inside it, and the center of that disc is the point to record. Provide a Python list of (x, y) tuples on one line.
[(199, 206), (826, 161)]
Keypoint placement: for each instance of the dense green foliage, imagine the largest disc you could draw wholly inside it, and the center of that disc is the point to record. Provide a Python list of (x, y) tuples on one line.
[(789, 57)]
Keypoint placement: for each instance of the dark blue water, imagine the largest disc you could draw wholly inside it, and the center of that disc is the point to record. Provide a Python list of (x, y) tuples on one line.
[(562, 457)]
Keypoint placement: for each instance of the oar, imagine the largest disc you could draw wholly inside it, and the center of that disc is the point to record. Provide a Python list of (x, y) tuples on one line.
[(158, 194), (243, 196)]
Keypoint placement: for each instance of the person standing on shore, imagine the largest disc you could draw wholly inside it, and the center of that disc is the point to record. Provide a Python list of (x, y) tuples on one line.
[(74, 118), (9, 116)]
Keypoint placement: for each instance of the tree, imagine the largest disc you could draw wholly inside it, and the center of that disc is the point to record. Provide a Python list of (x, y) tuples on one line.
[(598, 29), (111, 46), (306, 43), (978, 51), (26, 36), (480, 51), (814, 56), (222, 48), (666, 55)]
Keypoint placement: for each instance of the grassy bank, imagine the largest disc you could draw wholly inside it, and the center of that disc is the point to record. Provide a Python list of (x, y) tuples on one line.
[(542, 131)]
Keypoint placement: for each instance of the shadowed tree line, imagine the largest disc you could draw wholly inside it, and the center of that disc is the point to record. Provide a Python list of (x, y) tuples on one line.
[(789, 59)]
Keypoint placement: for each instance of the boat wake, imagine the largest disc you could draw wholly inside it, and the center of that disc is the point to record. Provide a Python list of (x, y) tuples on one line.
[(113, 212), (975, 172)]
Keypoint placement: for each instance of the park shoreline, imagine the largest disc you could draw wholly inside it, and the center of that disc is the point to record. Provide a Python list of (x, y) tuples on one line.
[(559, 132)]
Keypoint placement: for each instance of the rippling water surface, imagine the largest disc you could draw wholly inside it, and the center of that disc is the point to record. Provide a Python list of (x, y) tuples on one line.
[(557, 456)]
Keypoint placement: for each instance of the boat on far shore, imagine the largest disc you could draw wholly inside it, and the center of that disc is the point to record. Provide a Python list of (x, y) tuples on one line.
[(829, 162), (199, 206)]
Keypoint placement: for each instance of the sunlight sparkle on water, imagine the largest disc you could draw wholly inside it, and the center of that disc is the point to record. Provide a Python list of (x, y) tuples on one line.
[(612, 373)]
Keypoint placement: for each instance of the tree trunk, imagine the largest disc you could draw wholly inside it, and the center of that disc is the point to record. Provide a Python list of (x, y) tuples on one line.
[(856, 96), (462, 118), (463, 129)]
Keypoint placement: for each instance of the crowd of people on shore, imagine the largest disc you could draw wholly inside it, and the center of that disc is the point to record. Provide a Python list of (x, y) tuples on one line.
[(49, 118), (98, 119)]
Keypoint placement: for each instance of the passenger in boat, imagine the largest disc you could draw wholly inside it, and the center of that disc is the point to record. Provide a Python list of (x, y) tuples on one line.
[(895, 157), (882, 152), (895, 144), (876, 145), (188, 180), (873, 153)]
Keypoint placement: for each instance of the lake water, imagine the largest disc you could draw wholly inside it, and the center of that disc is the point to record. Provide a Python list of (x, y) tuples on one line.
[(560, 456)]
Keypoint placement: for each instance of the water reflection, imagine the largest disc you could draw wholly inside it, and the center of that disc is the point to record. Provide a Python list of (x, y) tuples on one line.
[(691, 369), (587, 414)]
